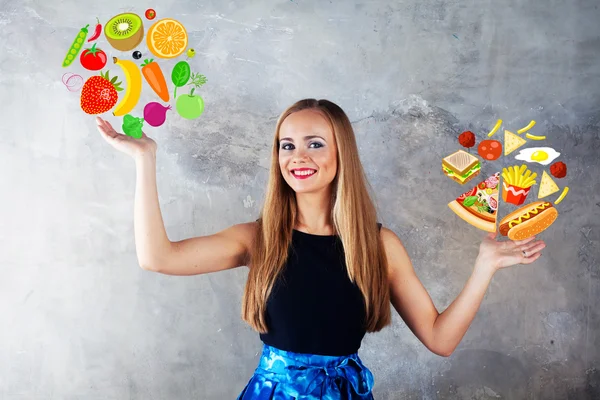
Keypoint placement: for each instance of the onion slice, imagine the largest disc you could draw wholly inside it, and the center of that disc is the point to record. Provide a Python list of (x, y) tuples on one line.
[(74, 82), (64, 80)]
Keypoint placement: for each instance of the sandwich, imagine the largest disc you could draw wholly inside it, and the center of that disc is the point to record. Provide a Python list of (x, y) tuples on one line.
[(528, 220), (461, 166)]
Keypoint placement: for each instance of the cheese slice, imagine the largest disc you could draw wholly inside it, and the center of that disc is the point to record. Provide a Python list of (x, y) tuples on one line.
[(547, 186), (512, 142), (462, 178)]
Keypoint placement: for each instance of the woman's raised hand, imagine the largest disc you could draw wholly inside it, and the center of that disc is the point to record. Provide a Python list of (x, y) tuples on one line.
[(126, 144), (500, 254)]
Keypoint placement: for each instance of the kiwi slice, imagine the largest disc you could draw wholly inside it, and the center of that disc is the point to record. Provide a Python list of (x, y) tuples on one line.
[(124, 31)]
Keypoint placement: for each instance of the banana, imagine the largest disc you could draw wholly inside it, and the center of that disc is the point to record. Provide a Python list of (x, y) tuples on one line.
[(133, 78)]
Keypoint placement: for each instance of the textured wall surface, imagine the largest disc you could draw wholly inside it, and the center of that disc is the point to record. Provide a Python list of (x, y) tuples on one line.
[(80, 320)]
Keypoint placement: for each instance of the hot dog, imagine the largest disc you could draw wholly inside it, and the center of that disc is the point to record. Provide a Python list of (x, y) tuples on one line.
[(528, 220)]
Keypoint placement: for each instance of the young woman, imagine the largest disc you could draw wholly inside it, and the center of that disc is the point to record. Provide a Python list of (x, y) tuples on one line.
[(322, 270)]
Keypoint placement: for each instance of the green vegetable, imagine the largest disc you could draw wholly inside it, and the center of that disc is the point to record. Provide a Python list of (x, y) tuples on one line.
[(180, 75), (132, 126), (469, 201), (76, 46), (197, 80)]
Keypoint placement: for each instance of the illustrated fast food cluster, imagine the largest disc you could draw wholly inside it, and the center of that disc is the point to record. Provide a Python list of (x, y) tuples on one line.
[(165, 39), (479, 205)]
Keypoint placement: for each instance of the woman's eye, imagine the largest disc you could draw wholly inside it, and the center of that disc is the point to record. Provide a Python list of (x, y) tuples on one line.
[(283, 146)]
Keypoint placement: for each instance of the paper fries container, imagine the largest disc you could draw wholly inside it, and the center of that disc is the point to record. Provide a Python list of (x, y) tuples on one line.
[(514, 194)]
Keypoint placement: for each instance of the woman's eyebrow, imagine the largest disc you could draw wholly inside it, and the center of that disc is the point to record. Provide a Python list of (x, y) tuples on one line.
[(305, 138)]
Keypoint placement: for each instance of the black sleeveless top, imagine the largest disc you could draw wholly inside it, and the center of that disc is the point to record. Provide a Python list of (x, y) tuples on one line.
[(314, 307)]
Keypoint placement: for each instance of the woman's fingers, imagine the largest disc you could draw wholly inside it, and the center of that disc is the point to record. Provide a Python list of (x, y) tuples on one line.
[(106, 131), (530, 259), (110, 126), (528, 253), (532, 249), (102, 129), (524, 251), (524, 241), (533, 245), (515, 244), (111, 131)]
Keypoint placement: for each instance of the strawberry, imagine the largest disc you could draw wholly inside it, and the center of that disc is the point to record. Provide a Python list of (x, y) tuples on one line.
[(99, 94)]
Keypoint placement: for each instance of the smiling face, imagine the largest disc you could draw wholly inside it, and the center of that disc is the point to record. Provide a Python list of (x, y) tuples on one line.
[(307, 144)]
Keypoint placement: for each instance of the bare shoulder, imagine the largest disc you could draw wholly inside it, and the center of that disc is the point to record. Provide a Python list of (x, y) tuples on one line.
[(389, 238), (245, 233), (395, 251)]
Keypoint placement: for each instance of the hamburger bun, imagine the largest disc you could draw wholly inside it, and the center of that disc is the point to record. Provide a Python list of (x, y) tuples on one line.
[(528, 220)]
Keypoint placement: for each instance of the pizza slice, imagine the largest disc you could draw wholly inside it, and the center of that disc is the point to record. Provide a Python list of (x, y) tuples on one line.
[(479, 206)]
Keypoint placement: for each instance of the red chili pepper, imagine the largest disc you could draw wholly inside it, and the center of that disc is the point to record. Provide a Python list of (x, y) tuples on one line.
[(97, 32)]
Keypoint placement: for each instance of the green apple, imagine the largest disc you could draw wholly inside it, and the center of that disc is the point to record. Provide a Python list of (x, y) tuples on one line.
[(189, 106)]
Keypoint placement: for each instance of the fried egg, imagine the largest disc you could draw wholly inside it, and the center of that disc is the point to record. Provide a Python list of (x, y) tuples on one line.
[(540, 155)]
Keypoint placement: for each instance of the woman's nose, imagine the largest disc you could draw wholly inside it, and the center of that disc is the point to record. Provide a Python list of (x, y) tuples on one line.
[(300, 155)]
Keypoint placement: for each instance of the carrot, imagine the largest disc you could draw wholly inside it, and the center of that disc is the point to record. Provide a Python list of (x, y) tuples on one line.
[(155, 78)]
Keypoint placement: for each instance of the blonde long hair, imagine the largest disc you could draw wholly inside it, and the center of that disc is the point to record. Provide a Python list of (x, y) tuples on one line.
[(354, 217)]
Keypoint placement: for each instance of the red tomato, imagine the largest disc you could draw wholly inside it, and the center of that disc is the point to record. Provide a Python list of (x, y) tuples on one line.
[(471, 192), (93, 59), (150, 13)]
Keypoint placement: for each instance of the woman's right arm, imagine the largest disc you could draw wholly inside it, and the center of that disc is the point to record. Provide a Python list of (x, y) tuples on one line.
[(226, 249)]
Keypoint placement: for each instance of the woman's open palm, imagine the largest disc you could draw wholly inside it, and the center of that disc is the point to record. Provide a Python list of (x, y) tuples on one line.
[(127, 144), (501, 254)]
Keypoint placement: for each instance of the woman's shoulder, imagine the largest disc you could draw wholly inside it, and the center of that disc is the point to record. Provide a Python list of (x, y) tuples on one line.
[(388, 236), (246, 232)]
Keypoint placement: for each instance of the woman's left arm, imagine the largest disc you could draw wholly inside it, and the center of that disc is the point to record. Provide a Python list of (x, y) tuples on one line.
[(442, 332)]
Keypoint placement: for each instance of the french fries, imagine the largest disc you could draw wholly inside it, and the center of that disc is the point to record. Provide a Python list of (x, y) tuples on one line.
[(526, 128), (562, 196), (534, 137), (518, 176), (495, 128)]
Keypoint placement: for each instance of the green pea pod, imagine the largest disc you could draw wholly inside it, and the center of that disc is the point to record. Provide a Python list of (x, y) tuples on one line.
[(76, 46)]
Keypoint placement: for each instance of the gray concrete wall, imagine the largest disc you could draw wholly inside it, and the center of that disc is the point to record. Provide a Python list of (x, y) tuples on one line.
[(80, 319)]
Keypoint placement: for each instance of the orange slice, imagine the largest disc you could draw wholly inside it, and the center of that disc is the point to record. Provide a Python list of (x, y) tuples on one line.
[(167, 38)]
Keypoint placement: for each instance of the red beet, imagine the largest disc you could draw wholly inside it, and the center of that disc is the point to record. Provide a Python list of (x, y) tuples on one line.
[(155, 113)]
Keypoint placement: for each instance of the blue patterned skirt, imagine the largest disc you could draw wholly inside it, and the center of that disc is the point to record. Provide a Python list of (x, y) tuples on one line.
[(284, 375)]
